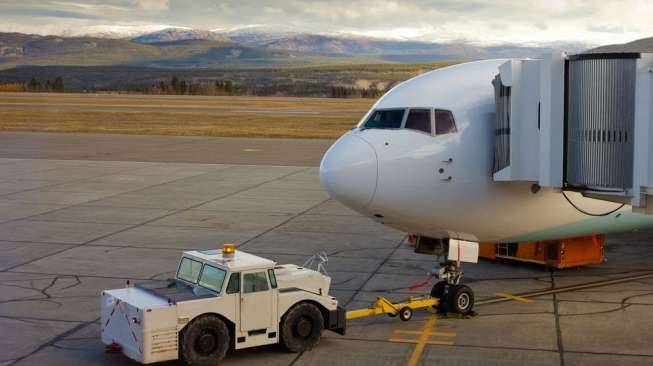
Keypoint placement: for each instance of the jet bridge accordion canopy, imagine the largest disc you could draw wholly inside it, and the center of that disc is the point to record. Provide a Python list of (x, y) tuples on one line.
[(601, 121), (581, 122)]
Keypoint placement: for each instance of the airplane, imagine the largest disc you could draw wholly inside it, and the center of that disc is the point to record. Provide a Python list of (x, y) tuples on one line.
[(422, 160)]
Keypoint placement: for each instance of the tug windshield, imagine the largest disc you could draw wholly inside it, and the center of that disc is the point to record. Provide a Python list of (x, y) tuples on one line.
[(212, 278), (189, 270)]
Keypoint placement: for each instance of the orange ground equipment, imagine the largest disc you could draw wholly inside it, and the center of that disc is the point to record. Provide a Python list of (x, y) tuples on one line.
[(563, 253)]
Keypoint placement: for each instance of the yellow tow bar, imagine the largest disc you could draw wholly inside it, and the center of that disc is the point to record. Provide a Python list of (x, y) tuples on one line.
[(404, 309)]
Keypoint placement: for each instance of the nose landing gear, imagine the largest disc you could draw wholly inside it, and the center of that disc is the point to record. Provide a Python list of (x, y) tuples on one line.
[(454, 297)]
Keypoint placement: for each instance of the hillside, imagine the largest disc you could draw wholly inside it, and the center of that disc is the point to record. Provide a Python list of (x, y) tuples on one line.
[(185, 47), (20, 50), (640, 45), (289, 81), (386, 49)]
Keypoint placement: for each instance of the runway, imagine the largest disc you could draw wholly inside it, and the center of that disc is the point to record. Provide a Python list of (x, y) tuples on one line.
[(79, 215)]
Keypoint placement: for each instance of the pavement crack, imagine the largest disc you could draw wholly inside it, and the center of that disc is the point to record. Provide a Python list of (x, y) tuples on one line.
[(77, 283)]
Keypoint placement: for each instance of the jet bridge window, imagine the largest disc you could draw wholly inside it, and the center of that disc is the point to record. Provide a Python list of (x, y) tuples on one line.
[(444, 122), (419, 120), (385, 119)]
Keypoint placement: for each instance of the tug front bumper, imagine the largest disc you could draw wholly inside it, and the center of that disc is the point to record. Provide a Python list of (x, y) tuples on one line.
[(337, 321)]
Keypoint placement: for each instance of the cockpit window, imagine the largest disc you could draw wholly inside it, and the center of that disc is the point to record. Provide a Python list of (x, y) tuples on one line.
[(444, 122), (419, 119), (385, 118)]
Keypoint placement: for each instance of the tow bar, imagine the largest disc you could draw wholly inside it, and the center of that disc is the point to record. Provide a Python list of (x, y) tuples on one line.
[(404, 309)]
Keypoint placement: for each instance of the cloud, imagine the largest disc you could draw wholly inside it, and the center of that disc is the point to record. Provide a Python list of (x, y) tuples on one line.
[(541, 26), (154, 5), (478, 21), (44, 13)]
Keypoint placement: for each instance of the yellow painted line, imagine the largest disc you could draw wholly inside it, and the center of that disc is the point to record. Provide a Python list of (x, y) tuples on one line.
[(559, 290), (414, 341), (419, 348), (437, 334), (401, 340), (516, 298), (439, 343)]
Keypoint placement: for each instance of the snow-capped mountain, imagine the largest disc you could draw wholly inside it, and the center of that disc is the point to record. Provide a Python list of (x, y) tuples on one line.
[(257, 34), (118, 31), (180, 34)]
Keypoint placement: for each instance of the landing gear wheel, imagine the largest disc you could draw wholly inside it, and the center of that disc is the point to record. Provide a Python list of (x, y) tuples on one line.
[(438, 291), (460, 299), (405, 313), (204, 342), (301, 328)]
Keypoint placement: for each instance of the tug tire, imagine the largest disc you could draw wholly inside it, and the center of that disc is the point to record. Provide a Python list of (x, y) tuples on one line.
[(204, 342), (301, 327)]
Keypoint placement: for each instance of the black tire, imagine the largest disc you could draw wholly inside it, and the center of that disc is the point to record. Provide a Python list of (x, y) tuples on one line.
[(460, 300), (438, 291), (405, 313), (301, 327), (204, 342)]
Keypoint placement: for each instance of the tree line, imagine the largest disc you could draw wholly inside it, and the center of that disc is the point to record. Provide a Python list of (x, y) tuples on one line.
[(177, 86), (338, 91), (55, 85)]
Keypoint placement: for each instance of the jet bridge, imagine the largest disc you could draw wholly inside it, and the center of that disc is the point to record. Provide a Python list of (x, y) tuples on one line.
[(578, 122)]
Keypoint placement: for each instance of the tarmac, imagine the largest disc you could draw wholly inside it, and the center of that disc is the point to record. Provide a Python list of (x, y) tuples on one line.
[(74, 221)]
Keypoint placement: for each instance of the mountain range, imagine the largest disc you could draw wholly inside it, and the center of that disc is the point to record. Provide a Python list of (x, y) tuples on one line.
[(640, 45), (176, 47)]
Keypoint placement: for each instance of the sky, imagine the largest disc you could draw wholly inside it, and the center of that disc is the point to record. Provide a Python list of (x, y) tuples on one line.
[(475, 21)]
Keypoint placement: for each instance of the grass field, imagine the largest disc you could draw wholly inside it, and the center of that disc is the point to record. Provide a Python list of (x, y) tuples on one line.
[(186, 116)]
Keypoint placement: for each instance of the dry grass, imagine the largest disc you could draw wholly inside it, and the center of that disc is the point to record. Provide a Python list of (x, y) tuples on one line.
[(222, 102), (183, 124), (89, 113)]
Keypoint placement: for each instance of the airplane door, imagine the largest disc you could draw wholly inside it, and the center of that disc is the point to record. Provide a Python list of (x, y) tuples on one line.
[(256, 302)]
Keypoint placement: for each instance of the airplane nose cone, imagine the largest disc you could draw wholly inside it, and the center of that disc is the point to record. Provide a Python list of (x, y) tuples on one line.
[(349, 172)]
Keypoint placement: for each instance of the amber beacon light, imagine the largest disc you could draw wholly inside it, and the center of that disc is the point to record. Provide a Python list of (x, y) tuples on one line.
[(228, 249)]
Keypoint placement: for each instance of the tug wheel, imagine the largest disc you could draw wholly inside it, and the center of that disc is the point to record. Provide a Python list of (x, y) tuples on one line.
[(204, 341), (460, 299), (405, 313), (301, 327)]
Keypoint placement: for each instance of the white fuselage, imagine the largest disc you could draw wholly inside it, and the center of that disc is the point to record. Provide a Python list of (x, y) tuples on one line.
[(441, 185)]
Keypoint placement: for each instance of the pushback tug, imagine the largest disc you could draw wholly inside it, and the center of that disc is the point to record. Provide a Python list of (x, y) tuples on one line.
[(220, 300), (227, 299)]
